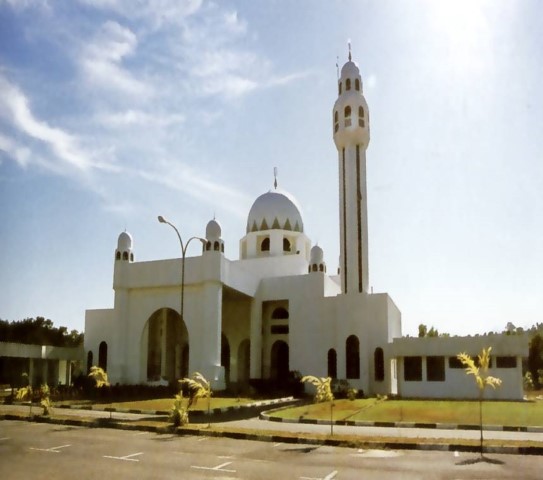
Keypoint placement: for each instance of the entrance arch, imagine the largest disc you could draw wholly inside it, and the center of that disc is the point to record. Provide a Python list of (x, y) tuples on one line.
[(167, 346), (102, 356), (279, 361)]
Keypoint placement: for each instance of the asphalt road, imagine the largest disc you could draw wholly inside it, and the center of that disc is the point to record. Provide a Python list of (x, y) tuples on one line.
[(47, 451)]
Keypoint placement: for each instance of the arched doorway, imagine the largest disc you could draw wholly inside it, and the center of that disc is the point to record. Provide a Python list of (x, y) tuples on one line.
[(102, 356), (244, 361), (89, 361), (225, 358), (167, 346), (379, 364), (279, 361)]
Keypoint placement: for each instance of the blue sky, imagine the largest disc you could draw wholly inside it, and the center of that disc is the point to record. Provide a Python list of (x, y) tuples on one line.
[(115, 111)]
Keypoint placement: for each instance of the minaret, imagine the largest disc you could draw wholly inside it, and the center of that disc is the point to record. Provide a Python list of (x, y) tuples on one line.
[(351, 136)]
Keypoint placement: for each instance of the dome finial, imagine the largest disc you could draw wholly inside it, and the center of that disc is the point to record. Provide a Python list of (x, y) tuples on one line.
[(349, 43), (275, 177)]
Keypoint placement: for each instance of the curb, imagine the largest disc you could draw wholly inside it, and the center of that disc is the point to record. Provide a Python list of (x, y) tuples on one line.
[(277, 437), (268, 415), (213, 411)]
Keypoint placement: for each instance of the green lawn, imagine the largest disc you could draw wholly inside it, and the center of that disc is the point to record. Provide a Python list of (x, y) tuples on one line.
[(423, 411), (166, 404)]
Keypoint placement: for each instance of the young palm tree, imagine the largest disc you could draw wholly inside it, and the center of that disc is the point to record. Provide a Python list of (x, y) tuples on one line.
[(323, 393), (24, 393), (482, 378), (99, 375), (198, 387)]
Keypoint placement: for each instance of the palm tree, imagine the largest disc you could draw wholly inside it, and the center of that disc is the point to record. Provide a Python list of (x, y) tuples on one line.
[(483, 380), (99, 375), (323, 393), (198, 387)]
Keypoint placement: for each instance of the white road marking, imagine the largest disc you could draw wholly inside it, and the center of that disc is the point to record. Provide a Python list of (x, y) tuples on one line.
[(53, 449), (330, 476), (227, 457), (4, 438), (218, 468), (277, 444), (126, 458), (202, 439), (140, 433)]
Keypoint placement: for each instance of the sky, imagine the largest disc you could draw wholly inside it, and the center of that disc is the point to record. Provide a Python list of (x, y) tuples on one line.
[(115, 111)]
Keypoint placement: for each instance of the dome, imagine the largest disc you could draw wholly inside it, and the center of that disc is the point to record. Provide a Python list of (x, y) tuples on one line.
[(317, 255), (213, 230), (273, 210), (124, 242), (350, 69)]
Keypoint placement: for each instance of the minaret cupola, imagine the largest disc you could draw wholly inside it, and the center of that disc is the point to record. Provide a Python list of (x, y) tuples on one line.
[(124, 250), (316, 260), (350, 115), (214, 242)]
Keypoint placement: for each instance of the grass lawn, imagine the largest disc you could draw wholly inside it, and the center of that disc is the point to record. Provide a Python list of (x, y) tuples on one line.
[(423, 411), (166, 404)]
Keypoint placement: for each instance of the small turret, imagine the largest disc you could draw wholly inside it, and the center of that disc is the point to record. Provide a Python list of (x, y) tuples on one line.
[(124, 251), (213, 237), (316, 260)]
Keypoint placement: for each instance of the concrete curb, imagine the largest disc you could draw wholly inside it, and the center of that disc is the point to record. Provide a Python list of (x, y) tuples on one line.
[(268, 415), (278, 437)]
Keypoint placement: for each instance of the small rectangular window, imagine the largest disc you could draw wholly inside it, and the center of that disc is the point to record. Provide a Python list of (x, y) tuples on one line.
[(279, 329), (412, 369), (435, 369), (455, 363), (506, 362)]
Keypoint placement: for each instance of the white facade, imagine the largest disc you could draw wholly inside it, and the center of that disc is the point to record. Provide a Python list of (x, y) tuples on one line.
[(274, 310)]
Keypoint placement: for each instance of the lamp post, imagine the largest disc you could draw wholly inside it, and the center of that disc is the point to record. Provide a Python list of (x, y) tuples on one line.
[(184, 247)]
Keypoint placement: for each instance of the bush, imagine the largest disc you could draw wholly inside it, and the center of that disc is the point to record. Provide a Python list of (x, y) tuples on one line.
[(352, 393)]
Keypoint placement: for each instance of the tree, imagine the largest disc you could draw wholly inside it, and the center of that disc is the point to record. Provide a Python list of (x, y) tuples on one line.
[(423, 330), (323, 393), (482, 379), (99, 375), (198, 387)]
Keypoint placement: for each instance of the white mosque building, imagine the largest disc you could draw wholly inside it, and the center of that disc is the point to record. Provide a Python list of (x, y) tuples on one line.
[(277, 309)]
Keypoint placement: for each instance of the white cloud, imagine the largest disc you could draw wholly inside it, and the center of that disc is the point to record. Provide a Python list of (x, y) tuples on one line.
[(129, 118), (10, 147), (14, 106), (102, 58)]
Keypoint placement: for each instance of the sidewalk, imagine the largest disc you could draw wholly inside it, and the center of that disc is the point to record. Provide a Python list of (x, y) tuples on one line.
[(303, 433)]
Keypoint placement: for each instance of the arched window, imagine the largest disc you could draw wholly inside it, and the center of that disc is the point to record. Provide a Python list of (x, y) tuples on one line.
[(131, 257), (280, 313), (286, 245), (118, 256), (357, 84), (352, 357), (265, 245), (321, 268), (348, 84), (336, 121), (332, 363), (379, 364), (216, 246), (208, 245), (89, 361), (347, 116), (102, 356), (222, 247), (314, 267), (340, 88), (125, 255), (361, 122)]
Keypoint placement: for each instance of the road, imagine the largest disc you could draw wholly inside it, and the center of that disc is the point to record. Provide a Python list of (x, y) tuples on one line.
[(48, 451)]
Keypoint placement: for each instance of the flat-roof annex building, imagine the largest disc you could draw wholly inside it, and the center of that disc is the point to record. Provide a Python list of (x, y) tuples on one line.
[(277, 308)]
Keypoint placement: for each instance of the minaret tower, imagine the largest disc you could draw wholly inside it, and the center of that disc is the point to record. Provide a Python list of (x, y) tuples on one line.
[(352, 136)]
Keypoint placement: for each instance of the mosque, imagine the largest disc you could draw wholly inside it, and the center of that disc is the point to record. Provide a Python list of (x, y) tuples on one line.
[(277, 308)]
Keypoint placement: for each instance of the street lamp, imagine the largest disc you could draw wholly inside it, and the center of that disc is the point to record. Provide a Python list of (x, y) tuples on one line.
[(184, 247)]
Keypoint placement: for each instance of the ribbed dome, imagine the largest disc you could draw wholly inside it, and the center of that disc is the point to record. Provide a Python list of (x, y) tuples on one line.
[(213, 230), (273, 210), (124, 242)]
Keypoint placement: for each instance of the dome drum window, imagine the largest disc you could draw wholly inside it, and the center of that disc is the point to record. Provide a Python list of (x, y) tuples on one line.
[(265, 245), (361, 121), (348, 84), (357, 84)]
